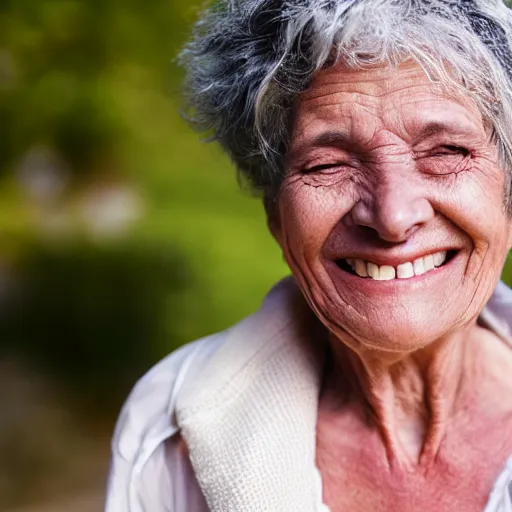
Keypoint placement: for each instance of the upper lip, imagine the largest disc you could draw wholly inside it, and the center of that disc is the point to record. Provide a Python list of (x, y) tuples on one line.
[(392, 260)]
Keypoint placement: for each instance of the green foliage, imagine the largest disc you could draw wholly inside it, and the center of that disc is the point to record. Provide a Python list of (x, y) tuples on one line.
[(92, 314), (94, 83)]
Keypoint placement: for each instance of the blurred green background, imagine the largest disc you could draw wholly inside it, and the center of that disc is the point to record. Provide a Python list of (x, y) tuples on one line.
[(121, 235)]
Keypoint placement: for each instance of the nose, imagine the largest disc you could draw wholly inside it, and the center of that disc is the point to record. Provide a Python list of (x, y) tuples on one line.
[(394, 210)]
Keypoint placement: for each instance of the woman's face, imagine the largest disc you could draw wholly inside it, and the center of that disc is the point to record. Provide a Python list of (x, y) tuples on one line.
[(391, 215)]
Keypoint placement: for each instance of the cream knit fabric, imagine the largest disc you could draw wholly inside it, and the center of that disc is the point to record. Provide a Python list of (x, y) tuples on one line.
[(249, 420)]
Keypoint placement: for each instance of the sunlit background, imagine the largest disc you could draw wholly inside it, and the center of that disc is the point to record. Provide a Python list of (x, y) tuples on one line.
[(121, 235)]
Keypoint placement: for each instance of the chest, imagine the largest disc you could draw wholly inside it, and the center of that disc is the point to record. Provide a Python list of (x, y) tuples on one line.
[(357, 476)]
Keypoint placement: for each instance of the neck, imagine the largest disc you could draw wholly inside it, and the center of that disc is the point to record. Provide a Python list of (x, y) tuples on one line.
[(410, 398)]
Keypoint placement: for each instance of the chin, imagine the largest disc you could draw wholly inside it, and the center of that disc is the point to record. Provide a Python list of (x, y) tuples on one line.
[(395, 317), (390, 333)]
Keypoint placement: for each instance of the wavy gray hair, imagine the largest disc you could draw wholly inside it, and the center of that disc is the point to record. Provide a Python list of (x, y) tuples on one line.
[(249, 59)]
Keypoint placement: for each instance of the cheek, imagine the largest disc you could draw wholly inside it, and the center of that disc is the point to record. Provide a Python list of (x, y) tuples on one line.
[(474, 202), (308, 213)]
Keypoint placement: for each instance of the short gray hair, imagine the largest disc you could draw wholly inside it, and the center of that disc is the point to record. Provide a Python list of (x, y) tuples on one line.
[(249, 59)]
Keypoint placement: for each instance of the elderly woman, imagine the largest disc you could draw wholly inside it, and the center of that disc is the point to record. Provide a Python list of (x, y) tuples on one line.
[(379, 377)]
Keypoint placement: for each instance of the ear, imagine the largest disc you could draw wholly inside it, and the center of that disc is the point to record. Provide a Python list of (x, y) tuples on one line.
[(274, 226), (509, 226), (273, 217)]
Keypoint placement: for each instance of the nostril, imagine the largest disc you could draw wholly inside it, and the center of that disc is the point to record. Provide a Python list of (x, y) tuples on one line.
[(384, 238), (381, 227), (396, 234), (392, 213), (369, 231)]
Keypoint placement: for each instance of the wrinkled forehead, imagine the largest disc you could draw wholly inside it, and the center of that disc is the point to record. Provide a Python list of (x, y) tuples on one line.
[(365, 100)]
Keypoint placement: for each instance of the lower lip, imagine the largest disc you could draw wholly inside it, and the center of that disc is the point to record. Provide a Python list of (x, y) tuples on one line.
[(391, 285)]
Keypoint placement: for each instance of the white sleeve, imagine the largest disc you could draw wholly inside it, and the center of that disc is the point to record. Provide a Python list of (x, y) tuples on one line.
[(139, 478), (501, 495)]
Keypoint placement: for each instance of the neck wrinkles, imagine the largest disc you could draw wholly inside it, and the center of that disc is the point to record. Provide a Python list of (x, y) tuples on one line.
[(409, 398)]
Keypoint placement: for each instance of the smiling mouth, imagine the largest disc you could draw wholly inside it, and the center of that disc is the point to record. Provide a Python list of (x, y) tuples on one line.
[(406, 270)]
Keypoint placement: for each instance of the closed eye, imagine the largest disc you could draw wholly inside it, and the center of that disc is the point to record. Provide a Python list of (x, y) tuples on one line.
[(450, 150), (444, 160), (324, 167)]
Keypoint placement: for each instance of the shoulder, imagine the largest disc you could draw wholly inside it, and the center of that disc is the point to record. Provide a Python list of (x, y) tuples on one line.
[(149, 410), (497, 314), (146, 423), (177, 386), (151, 400)]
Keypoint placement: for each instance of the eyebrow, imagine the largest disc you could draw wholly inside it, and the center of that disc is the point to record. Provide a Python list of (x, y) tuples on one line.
[(340, 139), (439, 127), (331, 138)]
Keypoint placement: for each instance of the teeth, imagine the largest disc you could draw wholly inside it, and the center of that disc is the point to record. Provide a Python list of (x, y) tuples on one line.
[(386, 273), (373, 271), (428, 261), (439, 258), (419, 267), (403, 271), (360, 268)]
